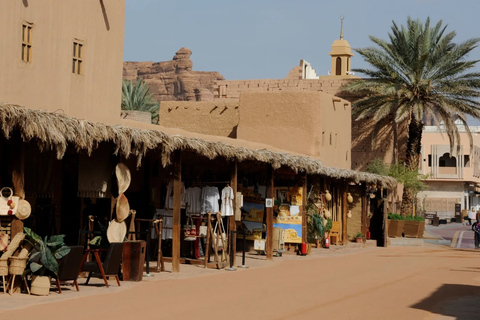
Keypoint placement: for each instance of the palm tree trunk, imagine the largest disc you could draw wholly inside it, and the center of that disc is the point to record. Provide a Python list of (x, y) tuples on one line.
[(414, 147)]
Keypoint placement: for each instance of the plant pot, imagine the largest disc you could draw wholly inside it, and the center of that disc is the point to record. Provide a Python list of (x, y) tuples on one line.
[(421, 229), (40, 285), (17, 265), (358, 240), (414, 229), (395, 228)]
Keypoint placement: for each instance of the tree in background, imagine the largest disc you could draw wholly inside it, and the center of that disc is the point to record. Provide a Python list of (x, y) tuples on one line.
[(419, 74), (136, 97)]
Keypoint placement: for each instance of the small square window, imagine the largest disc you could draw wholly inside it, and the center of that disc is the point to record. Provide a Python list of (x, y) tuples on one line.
[(27, 41), (77, 63)]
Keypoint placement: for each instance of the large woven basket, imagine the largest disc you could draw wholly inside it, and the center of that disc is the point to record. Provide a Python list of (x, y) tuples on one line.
[(3, 267), (17, 265)]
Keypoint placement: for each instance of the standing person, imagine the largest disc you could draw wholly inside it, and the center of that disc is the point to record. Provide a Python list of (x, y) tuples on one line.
[(476, 231)]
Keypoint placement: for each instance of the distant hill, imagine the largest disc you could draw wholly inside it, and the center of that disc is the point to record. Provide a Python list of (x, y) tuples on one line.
[(174, 80)]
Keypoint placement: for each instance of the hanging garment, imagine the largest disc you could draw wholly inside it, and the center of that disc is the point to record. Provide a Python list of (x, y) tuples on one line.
[(210, 197), (169, 196), (193, 199), (227, 197)]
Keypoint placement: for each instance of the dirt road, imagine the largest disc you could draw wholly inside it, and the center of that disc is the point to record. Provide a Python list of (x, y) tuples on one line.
[(427, 282)]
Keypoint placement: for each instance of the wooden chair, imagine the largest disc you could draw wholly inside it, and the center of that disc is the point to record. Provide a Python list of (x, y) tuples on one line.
[(334, 232), (109, 266), (69, 267)]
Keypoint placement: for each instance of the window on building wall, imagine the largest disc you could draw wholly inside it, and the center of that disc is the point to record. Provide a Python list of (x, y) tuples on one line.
[(27, 41), (78, 52), (429, 160), (338, 67), (447, 161), (330, 139), (466, 160)]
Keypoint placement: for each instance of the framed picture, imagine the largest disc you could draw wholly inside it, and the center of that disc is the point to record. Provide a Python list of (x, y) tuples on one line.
[(268, 203)]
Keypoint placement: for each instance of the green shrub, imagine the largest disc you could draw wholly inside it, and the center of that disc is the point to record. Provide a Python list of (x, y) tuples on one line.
[(395, 216)]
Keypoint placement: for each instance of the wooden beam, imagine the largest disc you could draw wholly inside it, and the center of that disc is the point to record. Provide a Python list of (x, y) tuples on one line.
[(233, 224), (304, 211), (344, 216), (269, 213), (177, 196)]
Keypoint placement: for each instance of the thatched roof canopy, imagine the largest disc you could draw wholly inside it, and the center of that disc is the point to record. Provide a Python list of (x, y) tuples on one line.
[(57, 131)]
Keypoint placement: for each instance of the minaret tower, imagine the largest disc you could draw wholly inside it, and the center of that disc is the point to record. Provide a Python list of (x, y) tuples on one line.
[(341, 56)]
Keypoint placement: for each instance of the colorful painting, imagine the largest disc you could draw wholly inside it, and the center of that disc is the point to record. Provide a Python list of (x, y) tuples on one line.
[(293, 232)]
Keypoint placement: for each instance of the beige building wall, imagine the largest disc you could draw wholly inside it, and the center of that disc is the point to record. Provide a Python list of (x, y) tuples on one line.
[(450, 179), (311, 123), (231, 89), (218, 118), (47, 82)]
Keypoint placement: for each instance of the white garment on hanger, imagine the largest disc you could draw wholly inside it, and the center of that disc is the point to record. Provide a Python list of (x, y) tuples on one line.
[(169, 197), (193, 198), (210, 197), (227, 197)]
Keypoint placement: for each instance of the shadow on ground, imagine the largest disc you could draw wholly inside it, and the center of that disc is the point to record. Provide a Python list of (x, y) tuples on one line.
[(454, 300)]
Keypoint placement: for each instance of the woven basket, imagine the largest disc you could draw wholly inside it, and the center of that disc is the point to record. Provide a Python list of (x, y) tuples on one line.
[(17, 265), (3, 267)]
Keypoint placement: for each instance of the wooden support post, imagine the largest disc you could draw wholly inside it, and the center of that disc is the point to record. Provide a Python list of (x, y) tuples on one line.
[(269, 213), (233, 224), (364, 211), (304, 211), (209, 236), (344, 216), (385, 217), (177, 195), (18, 179)]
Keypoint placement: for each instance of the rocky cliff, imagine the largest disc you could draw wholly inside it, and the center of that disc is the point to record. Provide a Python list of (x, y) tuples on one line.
[(174, 80)]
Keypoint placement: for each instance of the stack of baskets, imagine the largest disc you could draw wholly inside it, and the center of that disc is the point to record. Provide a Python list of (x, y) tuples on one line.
[(17, 264)]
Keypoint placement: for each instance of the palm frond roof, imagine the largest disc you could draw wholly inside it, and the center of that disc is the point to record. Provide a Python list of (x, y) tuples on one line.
[(56, 131)]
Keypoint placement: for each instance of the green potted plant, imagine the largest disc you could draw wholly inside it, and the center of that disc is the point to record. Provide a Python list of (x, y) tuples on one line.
[(315, 229), (396, 222), (358, 237), (43, 260)]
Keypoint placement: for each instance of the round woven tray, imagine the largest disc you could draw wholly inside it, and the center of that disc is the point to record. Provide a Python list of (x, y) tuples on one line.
[(17, 265)]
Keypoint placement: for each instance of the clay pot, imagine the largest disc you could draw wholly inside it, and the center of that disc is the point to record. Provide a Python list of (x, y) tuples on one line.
[(328, 196), (349, 198), (327, 214)]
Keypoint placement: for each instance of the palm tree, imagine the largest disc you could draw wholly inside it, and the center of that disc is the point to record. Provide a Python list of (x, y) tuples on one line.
[(136, 97), (419, 74)]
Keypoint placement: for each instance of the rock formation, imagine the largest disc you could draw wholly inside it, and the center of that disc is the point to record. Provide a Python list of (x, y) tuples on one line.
[(174, 80)]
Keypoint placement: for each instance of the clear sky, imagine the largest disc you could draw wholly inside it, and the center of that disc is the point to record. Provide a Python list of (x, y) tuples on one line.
[(258, 39)]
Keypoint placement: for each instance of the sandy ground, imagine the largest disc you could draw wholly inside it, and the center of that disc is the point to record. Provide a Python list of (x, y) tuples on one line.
[(428, 282)]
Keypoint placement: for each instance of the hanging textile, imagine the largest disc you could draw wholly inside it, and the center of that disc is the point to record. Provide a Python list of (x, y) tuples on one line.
[(193, 199), (210, 197), (169, 196), (227, 197)]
